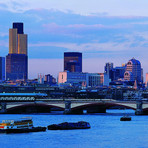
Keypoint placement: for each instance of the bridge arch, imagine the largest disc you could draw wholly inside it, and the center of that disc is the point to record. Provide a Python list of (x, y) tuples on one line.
[(97, 107), (145, 111), (32, 108)]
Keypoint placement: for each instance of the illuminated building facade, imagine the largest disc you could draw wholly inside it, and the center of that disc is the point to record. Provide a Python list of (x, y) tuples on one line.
[(17, 40), (17, 59), (73, 78), (73, 61)]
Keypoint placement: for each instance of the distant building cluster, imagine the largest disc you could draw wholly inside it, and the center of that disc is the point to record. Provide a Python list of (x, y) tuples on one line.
[(131, 71), (128, 74), (15, 67)]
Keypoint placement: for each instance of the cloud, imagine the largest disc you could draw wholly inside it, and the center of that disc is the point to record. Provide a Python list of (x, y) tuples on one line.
[(15, 6), (90, 7)]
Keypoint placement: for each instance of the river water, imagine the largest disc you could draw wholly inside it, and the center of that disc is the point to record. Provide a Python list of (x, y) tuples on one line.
[(107, 131)]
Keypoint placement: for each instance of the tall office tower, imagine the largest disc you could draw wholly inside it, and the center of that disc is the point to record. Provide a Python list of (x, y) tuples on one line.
[(108, 67), (133, 71), (73, 61), (17, 59), (2, 68)]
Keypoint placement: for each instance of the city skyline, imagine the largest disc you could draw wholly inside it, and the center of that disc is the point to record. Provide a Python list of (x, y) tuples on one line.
[(102, 35)]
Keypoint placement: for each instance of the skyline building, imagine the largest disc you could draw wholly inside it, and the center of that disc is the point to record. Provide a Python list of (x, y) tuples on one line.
[(2, 68), (16, 66), (17, 59), (49, 79), (73, 61), (133, 71), (114, 73), (82, 79), (108, 67), (108, 70)]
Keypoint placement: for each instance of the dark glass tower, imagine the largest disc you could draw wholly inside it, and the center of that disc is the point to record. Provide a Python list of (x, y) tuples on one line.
[(73, 61), (17, 66), (19, 27)]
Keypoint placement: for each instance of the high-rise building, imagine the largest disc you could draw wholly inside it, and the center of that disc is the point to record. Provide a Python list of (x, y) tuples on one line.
[(108, 67), (108, 70), (133, 71), (17, 66), (73, 61), (17, 59), (2, 68)]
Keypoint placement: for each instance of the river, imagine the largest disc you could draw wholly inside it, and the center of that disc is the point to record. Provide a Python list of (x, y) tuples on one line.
[(107, 131)]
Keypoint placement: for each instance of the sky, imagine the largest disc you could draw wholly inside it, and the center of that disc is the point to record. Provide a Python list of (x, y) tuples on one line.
[(104, 31)]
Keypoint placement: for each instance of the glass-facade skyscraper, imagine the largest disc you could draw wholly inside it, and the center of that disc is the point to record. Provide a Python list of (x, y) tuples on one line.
[(17, 59), (17, 66), (73, 61)]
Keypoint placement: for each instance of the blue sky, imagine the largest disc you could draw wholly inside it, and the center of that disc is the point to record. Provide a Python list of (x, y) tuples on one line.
[(104, 31)]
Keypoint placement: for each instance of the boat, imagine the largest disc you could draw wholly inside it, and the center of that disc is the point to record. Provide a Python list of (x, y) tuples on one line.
[(24, 125), (125, 118), (69, 126)]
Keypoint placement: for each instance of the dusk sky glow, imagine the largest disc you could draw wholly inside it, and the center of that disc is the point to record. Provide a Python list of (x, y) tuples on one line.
[(104, 31)]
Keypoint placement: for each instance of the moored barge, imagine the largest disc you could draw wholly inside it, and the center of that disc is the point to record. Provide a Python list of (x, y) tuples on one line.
[(69, 126)]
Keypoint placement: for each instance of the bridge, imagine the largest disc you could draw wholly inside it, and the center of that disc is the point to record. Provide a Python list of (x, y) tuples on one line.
[(40, 102), (33, 103)]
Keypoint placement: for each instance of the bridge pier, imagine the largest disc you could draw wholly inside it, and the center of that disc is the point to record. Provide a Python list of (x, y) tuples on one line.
[(139, 110), (3, 107), (67, 107)]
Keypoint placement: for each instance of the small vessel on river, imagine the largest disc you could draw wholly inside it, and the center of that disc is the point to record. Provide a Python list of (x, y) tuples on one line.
[(125, 118), (69, 126), (24, 125)]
